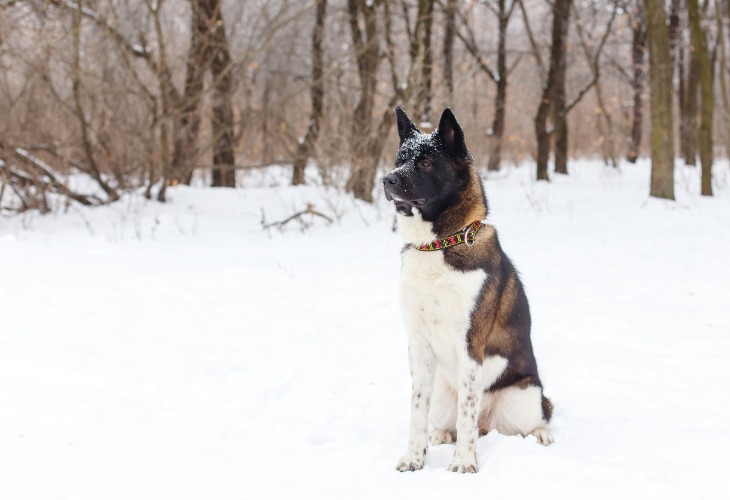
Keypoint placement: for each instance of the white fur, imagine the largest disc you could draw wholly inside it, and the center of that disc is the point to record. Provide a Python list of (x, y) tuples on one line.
[(437, 302), (515, 411)]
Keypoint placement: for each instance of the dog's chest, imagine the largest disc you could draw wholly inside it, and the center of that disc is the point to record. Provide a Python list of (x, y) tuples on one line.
[(437, 301)]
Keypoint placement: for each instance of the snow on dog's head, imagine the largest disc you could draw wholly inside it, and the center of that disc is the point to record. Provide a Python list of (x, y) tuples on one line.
[(434, 172)]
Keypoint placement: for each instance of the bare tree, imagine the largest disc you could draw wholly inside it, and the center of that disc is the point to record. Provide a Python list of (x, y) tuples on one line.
[(306, 144), (499, 77), (592, 52), (448, 51), (704, 71), (421, 53), (561, 14), (367, 53), (637, 17), (722, 73), (660, 83)]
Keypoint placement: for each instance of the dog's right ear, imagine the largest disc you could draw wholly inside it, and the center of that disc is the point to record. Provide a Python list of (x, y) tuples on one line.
[(406, 128)]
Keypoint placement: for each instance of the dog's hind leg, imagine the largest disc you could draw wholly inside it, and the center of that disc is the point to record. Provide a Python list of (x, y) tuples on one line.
[(515, 410), (443, 411), (422, 362)]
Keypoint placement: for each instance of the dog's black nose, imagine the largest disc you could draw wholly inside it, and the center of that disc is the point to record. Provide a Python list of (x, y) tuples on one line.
[(391, 179)]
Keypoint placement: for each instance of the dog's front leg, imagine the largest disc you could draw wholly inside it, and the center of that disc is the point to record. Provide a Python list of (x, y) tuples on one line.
[(468, 405), (421, 359)]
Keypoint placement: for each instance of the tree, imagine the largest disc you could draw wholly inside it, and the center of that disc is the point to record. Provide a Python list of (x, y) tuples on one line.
[(448, 50), (367, 54), (704, 71), (561, 14), (722, 73), (224, 173), (306, 144), (499, 78), (421, 53), (638, 79), (660, 84)]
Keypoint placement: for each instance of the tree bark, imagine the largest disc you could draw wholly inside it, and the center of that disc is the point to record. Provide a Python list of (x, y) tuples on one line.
[(722, 73), (560, 121), (660, 83), (367, 54), (688, 111), (306, 145), (561, 13), (224, 173), (424, 56), (185, 150), (500, 98), (704, 71), (638, 84), (449, 36)]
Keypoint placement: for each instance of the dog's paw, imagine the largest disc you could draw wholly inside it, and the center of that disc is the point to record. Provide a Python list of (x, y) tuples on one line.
[(438, 437), (464, 465), (543, 435), (411, 462)]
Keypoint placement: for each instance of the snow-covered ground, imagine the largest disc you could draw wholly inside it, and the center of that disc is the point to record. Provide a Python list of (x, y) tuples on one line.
[(181, 351)]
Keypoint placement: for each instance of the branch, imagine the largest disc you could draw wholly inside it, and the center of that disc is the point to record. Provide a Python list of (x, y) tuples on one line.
[(134, 49), (596, 56), (533, 44), (309, 210), (471, 46), (47, 170)]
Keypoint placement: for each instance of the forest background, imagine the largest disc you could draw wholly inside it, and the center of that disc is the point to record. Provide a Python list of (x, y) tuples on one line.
[(145, 94)]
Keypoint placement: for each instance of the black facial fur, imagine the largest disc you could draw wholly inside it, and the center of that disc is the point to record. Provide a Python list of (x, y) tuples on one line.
[(430, 169)]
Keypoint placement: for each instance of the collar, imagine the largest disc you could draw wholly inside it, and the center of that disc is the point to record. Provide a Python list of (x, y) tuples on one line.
[(466, 235)]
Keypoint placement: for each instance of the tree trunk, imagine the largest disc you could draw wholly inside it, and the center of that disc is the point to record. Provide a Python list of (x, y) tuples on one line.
[(688, 112), (560, 121), (224, 173), (660, 83), (704, 71), (675, 28), (306, 145), (185, 151), (722, 73), (561, 13), (449, 35), (500, 99), (423, 95), (367, 54), (638, 84)]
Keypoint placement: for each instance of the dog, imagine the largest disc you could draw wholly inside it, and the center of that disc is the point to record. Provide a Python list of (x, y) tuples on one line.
[(466, 313)]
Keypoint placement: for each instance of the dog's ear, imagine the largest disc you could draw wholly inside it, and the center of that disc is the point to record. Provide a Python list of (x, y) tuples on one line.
[(406, 128), (451, 134)]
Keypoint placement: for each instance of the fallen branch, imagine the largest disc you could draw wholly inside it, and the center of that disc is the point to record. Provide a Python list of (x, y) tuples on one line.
[(309, 210), (53, 182)]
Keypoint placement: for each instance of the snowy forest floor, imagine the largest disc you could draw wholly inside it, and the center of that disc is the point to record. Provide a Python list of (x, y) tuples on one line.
[(181, 351)]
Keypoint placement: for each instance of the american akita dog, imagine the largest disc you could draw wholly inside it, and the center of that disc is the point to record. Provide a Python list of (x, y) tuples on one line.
[(466, 313)]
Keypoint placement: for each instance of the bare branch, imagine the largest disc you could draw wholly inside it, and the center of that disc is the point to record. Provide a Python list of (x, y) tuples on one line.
[(471, 45), (533, 44)]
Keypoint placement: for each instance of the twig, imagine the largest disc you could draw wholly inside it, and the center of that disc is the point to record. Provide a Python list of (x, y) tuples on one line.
[(309, 210)]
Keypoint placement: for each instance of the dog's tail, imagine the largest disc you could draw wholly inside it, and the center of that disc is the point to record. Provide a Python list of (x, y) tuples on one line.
[(547, 408)]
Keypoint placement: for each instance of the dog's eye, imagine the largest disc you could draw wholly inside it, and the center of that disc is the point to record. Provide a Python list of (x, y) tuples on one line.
[(424, 164)]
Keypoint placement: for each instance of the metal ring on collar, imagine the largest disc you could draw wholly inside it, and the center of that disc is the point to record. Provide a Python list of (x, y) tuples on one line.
[(466, 236)]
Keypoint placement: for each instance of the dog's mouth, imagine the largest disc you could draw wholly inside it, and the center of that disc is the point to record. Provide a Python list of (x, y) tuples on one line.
[(403, 206), (399, 200)]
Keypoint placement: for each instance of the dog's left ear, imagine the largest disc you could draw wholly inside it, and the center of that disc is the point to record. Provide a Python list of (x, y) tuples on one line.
[(451, 134)]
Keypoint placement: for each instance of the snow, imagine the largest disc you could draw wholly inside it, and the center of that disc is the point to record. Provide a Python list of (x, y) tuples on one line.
[(180, 351)]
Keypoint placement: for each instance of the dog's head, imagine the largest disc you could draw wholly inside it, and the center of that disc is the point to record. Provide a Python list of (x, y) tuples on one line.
[(431, 170)]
